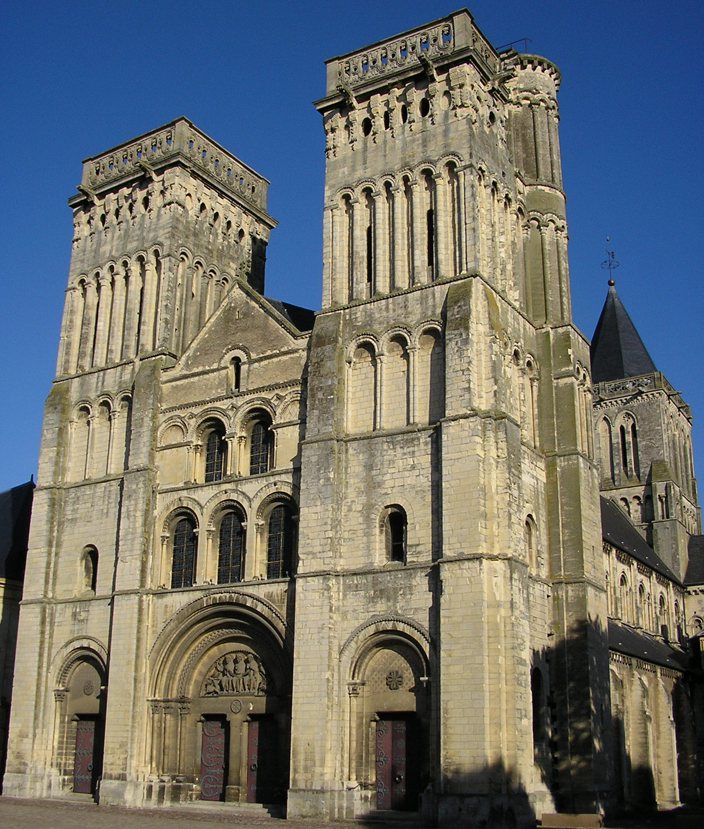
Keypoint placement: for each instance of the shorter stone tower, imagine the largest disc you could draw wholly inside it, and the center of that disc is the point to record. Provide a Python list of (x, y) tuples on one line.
[(644, 438)]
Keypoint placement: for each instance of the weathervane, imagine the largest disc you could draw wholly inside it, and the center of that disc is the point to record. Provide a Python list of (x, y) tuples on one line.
[(610, 263)]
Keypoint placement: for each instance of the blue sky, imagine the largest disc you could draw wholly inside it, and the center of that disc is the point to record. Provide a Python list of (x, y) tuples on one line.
[(78, 77)]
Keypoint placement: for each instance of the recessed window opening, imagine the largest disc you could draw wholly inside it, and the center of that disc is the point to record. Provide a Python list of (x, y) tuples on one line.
[(236, 373), (261, 445), (279, 550), (366, 126), (529, 541), (634, 449), (231, 549), (89, 566), (370, 258), (424, 107), (536, 690), (430, 219), (387, 120), (624, 451), (404, 113), (395, 534), (184, 554), (214, 455)]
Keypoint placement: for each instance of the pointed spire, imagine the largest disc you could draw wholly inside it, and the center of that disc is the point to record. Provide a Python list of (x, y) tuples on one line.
[(617, 350)]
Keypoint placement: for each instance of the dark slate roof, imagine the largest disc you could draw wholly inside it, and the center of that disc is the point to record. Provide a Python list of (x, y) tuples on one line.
[(695, 565), (302, 318), (625, 639), (617, 350), (15, 512), (617, 529)]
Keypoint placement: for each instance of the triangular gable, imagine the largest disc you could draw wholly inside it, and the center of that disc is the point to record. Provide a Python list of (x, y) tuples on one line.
[(244, 319)]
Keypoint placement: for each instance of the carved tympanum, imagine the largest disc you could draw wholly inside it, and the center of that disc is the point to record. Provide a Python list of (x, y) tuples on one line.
[(237, 672)]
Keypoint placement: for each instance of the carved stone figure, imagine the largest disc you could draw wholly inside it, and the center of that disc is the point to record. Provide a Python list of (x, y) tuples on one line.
[(238, 672)]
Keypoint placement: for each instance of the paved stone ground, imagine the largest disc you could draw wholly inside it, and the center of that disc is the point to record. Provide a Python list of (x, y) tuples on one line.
[(84, 814)]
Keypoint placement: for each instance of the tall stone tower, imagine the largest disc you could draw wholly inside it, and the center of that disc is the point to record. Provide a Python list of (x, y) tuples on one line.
[(163, 227), (449, 590)]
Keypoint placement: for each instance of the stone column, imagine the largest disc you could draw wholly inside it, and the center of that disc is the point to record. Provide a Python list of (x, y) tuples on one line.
[(470, 219), (165, 305), (194, 288), (359, 250), (377, 365), (88, 467), (381, 242), (338, 289), (113, 420), (241, 446), (117, 323), (400, 238), (70, 330), (563, 276), (418, 253), (204, 311), (134, 300), (146, 334), (555, 161), (412, 385), (541, 139), (525, 284), (330, 253), (231, 441), (103, 322), (380, 419), (443, 257), (85, 354)]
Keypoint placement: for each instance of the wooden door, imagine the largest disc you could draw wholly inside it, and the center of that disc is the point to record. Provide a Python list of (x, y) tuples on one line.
[(213, 760), (262, 761), (84, 758), (396, 764)]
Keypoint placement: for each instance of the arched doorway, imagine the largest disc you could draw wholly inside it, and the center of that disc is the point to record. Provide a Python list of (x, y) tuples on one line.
[(80, 701), (389, 721), (220, 724)]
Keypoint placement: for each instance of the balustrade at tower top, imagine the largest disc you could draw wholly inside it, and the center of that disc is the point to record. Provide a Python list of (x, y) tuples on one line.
[(449, 38), (176, 142)]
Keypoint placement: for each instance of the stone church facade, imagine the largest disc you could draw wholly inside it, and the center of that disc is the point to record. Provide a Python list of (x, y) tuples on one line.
[(356, 560)]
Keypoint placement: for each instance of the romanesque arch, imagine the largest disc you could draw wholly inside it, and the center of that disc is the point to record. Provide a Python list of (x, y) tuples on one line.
[(79, 700), (219, 696), (388, 667)]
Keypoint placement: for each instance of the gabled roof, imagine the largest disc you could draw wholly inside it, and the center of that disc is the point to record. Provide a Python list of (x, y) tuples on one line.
[(302, 318), (617, 529), (617, 350), (15, 512), (631, 642)]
